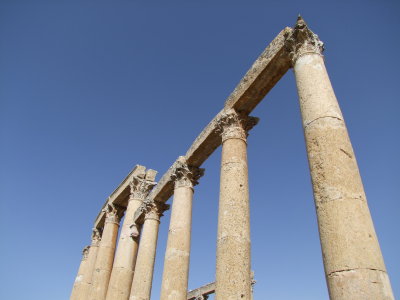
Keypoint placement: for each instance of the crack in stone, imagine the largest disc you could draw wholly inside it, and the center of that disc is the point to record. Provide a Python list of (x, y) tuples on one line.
[(336, 273), (309, 123), (345, 152)]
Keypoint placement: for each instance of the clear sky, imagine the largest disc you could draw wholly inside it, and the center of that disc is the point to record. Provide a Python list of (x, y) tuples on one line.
[(88, 89)]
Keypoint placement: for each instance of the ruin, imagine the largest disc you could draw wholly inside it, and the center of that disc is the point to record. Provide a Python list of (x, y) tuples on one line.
[(353, 262)]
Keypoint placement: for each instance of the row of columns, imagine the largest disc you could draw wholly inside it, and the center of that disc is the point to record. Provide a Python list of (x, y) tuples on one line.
[(129, 276), (353, 262)]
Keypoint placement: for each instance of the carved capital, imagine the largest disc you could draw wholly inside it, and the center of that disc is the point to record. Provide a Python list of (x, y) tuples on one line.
[(233, 125), (302, 41), (140, 188), (85, 252), (96, 237), (186, 176), (111, 214), (153, 209)]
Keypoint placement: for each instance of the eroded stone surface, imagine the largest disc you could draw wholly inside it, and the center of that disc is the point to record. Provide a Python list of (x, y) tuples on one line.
[(142, 281), (233, 274), (176, 263), (353, 261), (125, 257)]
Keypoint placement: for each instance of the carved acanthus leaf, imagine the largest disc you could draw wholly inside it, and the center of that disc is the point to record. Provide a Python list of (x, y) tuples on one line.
[(235, 125), (302, 40), (96, 237), (111, 213), (184, 175), (140, 187), (153, 209)]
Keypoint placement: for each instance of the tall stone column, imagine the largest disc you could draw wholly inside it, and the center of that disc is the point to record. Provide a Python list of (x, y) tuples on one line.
[(105, 255), (176, 263), (233, 274), (77, 289), (142, 280), (91, 261), (353, 262), (125, 257)]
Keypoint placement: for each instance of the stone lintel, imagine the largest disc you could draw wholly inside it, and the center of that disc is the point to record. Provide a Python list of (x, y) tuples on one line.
[(271, 65), (266, 71), (120, 195), (209, 289), (204, 290)]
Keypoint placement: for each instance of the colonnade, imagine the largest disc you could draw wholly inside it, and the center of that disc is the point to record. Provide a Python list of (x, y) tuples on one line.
[(353, 262)]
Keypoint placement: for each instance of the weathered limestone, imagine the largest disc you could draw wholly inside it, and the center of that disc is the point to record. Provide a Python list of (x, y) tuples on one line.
[(105, 255), (77, 288), (353, 261), (142, 280), (125, 257), (91, 261), (176, 264), (233, 274)]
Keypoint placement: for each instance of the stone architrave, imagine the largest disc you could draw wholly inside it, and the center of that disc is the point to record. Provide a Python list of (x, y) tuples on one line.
[(233, 270), (142, 280), (354, 266), (105, 255), (125, 257), (77, 289), (176, 263)]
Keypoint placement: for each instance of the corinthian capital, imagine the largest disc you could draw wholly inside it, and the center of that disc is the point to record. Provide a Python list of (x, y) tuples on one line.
[(85, 252), (96, 237), (111, 214), (184, 175), (140, 187), (233, 125), (153, 209), (303, 40)]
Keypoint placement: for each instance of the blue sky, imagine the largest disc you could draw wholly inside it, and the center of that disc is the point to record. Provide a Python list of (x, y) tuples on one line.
[(88, 89)]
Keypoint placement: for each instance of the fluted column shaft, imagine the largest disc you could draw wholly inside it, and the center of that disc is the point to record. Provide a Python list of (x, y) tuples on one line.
[(77, 289), (353, 262), (177, 256), (105, 255), (233, 273), (142, 280)]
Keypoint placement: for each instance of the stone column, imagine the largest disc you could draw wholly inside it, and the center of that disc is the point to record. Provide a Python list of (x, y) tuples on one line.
[(233, 274), (125, 257), (142, 280), (77, 289), (353, 262), (91, 261), (105, 255), (176, 263)]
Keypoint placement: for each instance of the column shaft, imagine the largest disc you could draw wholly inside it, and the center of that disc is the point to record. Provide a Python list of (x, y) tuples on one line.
[(142, 280), (125, 257), (77, 289), (353, 262), (233, 270), (177, 255), (105, 256), (91, 261)]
